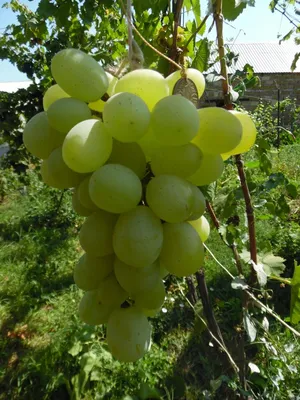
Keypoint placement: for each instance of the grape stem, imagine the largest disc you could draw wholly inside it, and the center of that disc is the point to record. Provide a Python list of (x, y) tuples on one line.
[(173, 51), (250, 215), (218, 18), (207, 307), (192, 293), (130, 36), (232, 246), (197, 31)]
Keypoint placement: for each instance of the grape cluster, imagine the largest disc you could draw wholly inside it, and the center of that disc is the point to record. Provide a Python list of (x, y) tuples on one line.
[(135, 163)]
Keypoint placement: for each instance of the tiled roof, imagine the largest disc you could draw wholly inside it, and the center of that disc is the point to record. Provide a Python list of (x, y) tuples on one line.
[(266, 57)]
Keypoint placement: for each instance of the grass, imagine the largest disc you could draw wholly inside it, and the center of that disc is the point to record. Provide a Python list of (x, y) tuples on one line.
[(47, 353)]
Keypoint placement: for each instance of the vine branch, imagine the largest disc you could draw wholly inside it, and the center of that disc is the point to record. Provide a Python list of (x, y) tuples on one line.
[(283, 12), (218, 18), (197, 30), (250, 214), (231, 246), (173, 50)]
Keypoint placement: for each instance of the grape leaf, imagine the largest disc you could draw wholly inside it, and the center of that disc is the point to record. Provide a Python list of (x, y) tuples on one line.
[(249, 326), (75, 349), (272, 265), (231, 9), (200, 61), (260, 273), (292, 190), (196, 10), (253, 368), (295, 60), (239, 283)]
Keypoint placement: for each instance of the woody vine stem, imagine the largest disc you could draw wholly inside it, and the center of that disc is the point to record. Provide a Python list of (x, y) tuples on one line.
[(218, 17)]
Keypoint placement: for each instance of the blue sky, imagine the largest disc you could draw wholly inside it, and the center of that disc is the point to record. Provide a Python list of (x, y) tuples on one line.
[(255, 24)]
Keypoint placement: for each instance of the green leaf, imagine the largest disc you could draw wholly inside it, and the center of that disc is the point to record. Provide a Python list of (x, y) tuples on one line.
[(253, 368), (154, 5), (287, 36), (196, 8), (295, 297), (295, 60), (75, 349), (209, 191), (292, 190), (252, 164), (232, 9), (260, 273), (87, 362), (239, 284), (147, 392), (200, 61), (273, 265), (249, 326)]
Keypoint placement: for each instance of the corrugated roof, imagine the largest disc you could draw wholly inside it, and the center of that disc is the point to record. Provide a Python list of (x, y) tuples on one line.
[(265, 57)]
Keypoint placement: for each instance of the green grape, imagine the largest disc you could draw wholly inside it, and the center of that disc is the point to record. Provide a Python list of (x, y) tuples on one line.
[(99, 104), (151, 313), (84, 195), (248, 135), (151, 299), (110, 291), (126, 117), (174, 121), (87, 146), (57, 174), (170, 198), (63, 114), (149, 144), (78, 207), (138, 237), (134, 279), (130, 155), (199, 203), (191, 73), (79, 75), (211, 168), (201, 225), (220, 131), (95, 235), (115, 188), (181, 161), (39, 138), (128, 334), (163, 272), (52, 94), (90, 271), (149, 85), (92, 311), (182, 253)]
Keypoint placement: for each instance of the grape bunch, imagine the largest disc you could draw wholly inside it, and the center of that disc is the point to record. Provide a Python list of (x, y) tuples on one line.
[(135, 163)]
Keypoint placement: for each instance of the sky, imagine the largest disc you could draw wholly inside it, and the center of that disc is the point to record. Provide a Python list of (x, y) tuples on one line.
[(255, 24)]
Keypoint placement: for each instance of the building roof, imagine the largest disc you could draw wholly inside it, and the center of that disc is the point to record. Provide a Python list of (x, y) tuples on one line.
[(11, 87), (266, 58)]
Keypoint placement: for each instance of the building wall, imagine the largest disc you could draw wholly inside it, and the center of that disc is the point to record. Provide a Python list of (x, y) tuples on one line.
[(288, 84)]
